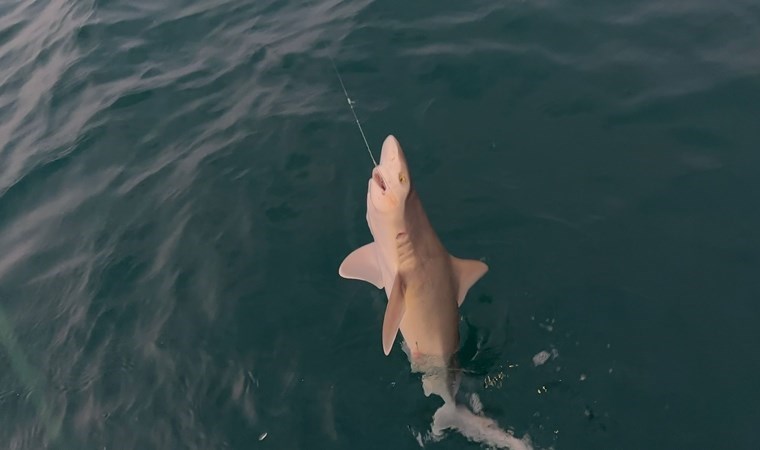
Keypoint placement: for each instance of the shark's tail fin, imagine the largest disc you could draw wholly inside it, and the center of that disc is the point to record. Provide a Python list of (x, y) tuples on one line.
[(475, 427)]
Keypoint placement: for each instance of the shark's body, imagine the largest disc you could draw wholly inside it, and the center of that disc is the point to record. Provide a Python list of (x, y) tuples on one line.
[(425, 286)]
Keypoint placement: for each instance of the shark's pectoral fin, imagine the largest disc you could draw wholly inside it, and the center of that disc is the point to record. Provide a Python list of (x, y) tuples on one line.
[(467, 272), (361, 264), (394, 312)]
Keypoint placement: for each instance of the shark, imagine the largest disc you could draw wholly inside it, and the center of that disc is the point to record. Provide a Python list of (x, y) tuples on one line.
[(425, 286)]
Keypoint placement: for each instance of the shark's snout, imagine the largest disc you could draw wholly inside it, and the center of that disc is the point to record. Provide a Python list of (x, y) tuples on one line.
[(390, 183), (391, 149)]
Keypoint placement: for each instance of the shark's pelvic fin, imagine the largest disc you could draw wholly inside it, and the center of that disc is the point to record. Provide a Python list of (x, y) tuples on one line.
[(394, 312), (361, 264), (467, 272)]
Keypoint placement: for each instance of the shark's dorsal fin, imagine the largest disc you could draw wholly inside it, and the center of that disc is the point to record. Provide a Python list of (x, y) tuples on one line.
[(467, 272), (394, 312), (361, 264)]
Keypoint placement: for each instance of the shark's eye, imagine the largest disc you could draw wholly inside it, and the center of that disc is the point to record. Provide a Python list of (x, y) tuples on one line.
[(401, 178)]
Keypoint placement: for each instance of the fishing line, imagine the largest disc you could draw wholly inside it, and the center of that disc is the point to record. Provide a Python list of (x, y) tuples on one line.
[(351, 105)]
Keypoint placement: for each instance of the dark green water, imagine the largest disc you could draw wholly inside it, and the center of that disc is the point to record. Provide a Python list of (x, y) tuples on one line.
[(180, 180)]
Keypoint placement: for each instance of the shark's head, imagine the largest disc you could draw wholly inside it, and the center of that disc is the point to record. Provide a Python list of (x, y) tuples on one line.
[(390, 184)]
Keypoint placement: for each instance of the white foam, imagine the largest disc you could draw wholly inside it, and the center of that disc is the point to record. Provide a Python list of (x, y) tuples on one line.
[(541, 357), (475, 404), (474, 427)]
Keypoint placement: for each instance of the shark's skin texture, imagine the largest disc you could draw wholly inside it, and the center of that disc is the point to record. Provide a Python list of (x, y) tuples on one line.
[(425, 286)]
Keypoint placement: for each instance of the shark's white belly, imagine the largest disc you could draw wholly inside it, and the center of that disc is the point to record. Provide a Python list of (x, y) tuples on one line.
[(430, 325)]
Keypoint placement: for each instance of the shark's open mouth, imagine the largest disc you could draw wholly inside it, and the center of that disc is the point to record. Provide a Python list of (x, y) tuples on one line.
[(379, 179)]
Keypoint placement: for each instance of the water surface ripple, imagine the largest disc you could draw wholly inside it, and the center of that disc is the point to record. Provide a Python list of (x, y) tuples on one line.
[(179, 181)]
